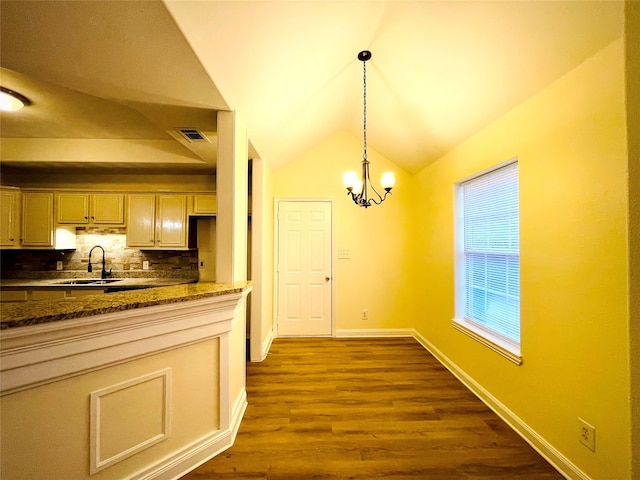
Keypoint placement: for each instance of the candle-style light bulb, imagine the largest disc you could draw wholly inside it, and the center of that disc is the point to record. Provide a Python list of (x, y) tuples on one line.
[(350, 180), (357, 188), (387, 180)]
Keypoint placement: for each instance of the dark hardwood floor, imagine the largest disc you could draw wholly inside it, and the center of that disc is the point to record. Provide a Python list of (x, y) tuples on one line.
[(367, 409)]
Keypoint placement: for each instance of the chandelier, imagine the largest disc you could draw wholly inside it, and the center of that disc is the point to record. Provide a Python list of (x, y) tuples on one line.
[(362, 192)]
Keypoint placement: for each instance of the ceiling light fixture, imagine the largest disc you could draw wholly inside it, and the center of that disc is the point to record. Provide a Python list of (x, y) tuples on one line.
[(11, 101), (358, 188)]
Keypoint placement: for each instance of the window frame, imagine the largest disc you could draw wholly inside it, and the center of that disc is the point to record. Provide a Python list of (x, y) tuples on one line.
[(508, 348)]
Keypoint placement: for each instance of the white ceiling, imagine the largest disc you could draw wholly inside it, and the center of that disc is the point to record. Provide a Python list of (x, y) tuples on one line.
[(110, 80)]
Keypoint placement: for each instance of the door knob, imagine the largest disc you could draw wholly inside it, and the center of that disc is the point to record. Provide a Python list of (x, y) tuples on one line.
[(327, 278)]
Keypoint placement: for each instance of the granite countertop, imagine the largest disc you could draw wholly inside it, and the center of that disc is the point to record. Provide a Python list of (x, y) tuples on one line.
[(44, 311)]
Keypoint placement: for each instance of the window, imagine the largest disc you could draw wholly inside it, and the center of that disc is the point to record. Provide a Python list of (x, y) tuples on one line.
[(488, 260)]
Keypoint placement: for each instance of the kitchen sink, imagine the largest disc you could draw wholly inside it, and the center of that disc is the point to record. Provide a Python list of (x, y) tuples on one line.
[(88, 281)]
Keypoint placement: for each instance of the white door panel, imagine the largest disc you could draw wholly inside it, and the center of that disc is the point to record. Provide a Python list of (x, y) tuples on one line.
[(304, 268)]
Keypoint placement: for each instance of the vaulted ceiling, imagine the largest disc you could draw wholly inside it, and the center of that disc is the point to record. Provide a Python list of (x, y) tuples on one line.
[(110, 81)]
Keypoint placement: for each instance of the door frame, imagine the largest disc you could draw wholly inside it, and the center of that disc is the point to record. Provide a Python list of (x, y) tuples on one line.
[(276, 253)]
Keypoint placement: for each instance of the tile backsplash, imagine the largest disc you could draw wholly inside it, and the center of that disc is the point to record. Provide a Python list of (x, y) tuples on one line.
[(123, 260)]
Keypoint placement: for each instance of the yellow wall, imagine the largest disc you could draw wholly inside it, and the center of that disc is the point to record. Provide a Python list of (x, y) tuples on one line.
[(570, 140), (267, 243), (206, 249), (232, 194), (238, 365), (632, 33), (375, 277)]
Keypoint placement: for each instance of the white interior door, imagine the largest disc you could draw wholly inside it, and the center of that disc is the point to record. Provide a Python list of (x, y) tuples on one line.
[(304, 268)]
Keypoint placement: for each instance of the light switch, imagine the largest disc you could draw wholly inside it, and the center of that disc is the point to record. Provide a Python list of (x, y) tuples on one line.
[(344, 254), (145, 264)]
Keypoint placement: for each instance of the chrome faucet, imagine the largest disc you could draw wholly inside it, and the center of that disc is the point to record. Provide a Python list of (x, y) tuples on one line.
[(104, 274)]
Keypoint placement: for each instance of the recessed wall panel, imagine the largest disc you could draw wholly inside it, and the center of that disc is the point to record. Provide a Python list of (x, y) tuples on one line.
[(129, 417)]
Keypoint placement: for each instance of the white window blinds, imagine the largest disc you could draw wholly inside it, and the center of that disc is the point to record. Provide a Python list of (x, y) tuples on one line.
[(492, 252)]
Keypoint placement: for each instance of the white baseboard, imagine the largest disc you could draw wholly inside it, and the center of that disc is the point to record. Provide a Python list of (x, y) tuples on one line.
[(194, 455), (544, 448), (259, 355), (374, 332), (237, 414), (266, 345)]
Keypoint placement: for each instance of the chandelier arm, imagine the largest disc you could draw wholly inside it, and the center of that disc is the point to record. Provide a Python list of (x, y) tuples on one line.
[(359, 200), (379, 196), (382, 199), (356, 197)]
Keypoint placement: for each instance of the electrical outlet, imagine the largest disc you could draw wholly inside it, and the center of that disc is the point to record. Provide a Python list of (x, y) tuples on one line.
[(587, 435), (145, 264), (344, 254), (59, 265), (365, 315)]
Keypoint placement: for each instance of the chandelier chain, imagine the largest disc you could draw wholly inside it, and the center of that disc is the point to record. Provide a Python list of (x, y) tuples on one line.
[(364, 107)]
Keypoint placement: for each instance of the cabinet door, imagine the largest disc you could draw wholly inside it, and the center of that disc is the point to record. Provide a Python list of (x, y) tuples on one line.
[(171, 221), (107, 208), (37, 294), (73, 208), (37, 219), (141, 220), (83, 292), (8, 218), (205, 204), (13, 296)]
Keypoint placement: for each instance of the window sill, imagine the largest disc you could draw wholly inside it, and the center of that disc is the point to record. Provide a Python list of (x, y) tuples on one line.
[(498, 345)]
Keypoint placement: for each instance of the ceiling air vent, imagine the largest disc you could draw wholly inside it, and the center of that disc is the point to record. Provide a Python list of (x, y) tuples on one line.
[(192, 135)]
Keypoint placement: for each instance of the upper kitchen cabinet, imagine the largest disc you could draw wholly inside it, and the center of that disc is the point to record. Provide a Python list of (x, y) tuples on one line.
[(9, 217), (141, 220), (157, 221), (90, 209), (37, 219), (171, 221), (37, 224), (204, 204)]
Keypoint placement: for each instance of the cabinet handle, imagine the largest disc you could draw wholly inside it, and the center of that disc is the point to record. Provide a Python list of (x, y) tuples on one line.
[(85, 217), (93, 218)]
